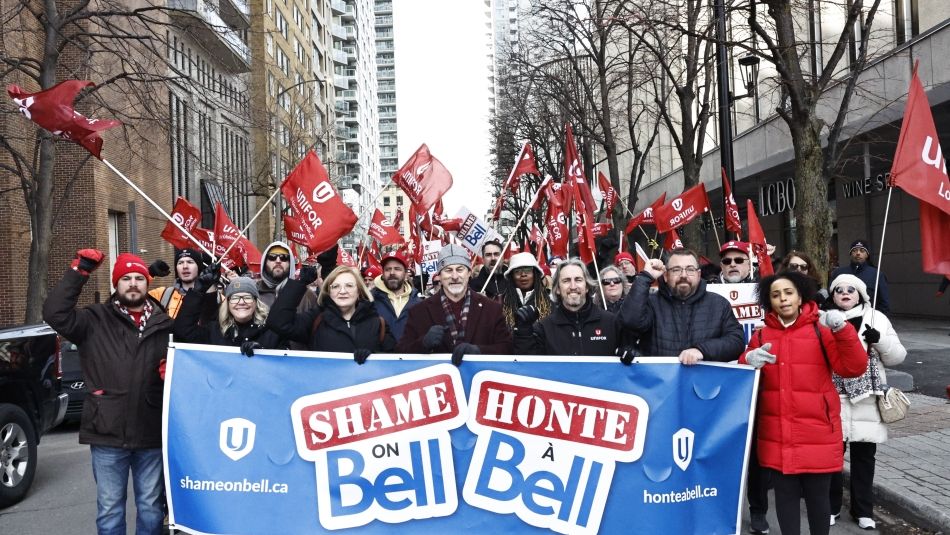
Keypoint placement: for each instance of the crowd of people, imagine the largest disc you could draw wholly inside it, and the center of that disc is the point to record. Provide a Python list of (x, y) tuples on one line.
[(821, 351)]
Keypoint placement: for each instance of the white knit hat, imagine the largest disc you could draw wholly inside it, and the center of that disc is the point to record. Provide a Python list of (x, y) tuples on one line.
[(851, 280)]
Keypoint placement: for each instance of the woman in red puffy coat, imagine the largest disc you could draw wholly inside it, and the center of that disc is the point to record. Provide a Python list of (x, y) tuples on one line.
[(799, 421)]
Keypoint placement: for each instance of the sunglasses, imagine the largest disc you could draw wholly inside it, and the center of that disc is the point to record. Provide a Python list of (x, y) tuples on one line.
[(276, 257), (611, 282), (729, 261), (797, 267), (845, 290)]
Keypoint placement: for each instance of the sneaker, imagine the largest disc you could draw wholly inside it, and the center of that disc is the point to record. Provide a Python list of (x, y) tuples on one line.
[(834, 518), (866, 523), (758, 524)]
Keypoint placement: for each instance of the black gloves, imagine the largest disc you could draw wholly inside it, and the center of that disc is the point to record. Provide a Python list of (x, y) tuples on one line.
[(872, 335), (159, 268), (87, 260), (307, 275), (526, 315), (463, 349), (433, 338), (627, 354), (248, 347), (209, 277), (360, 355)]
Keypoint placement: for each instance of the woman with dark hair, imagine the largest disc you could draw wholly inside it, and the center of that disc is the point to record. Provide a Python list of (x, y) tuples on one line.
[(525, 287), (861, 423), (802, 263), (798, 420)]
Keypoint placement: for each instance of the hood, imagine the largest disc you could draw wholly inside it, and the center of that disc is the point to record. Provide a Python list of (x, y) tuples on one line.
[(381, 286), (808, 315), (291, 272)]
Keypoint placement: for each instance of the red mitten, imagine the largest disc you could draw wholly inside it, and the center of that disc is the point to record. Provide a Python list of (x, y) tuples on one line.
[(161, 369), (87, 260)]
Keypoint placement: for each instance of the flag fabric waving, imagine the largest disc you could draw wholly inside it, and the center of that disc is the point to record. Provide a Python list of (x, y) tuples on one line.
[(575, 183), (672, 241), (733, 223), (189, 217), (646, 216), (934, 239), (323, 216), (293, 231), (225, 233), (525, 165), (423, 178), (52, 109), (382, 231), (757, 241), (610, 194), (682, 209)]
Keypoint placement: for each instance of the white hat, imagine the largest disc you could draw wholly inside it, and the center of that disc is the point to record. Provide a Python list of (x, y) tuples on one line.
[(851, 280), (521, 260)]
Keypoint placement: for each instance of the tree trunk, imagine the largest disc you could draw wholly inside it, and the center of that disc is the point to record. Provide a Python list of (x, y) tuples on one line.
[(691, 233), (41, 223), (812, 214)]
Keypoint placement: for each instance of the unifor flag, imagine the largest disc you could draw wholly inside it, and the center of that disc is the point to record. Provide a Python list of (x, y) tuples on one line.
[(52, 109), (575, 183), (382, 231), (315, 203), (368, 257), (536, 236), (682, 209), (424, 179), (646, 216), (672, 241), (345, 258), (556, 222), (189, 217), (499, 202), (293, 231), (601, 229), (524, 165), (414, 243), (544, 192), (586, 244), (733, 223), (757, 241), (610, 194), (920, 169), (227, 233)]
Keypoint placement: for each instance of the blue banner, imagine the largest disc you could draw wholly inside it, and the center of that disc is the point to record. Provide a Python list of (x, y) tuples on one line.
[(314, 443)]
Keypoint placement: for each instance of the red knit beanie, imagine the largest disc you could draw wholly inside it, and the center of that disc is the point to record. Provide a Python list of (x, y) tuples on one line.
[(127, 263)]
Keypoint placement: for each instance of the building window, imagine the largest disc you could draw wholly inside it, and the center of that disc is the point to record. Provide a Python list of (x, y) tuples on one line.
[(385, 201), (399, 200), (281, 23), (178, 131), (283, 63)]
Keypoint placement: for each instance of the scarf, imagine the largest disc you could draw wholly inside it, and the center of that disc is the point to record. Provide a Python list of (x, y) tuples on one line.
[(457, 335), (143, 319), (858, 388)]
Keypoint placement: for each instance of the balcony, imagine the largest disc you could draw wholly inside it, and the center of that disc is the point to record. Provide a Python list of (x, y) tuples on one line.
[(387, 115), (338, 32), (350, 12), (340, 56), (383, 8), (341, 107), (384, 21), (236, 13), (349, 94), (348, 157), (382, 74), (338, 7), (201, 20), (350, 52), (387, 127), (385, 60), (341, 82), (351, 117)]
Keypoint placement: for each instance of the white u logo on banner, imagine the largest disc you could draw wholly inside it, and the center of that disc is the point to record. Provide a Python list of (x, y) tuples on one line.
[(683, 447), (236, 438)]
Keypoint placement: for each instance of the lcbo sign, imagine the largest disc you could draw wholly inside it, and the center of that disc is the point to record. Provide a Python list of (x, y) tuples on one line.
[(777, 197)]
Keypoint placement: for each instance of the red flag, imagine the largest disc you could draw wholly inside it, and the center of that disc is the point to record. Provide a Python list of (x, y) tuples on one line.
[(499, 203), (646, 216), (919, 167), (682, 209), (368, 258), (672, 241), (397, 220), (601, 229), (934, 239), (226, 233), (575, 182), (345, 258), (382, 231), (52, 109), (423, 178), (188, 216), (293, 231), (536, 236), (523, 166), (541, 257), (323, 216), (414, 244), (556, 223), (757, 241), (733, 223), (610, 194), (586, 246), (544, 192)]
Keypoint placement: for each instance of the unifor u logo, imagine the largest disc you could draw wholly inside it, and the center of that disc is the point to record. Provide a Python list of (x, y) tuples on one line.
[(677, 204), (237, 437), (683, 447)]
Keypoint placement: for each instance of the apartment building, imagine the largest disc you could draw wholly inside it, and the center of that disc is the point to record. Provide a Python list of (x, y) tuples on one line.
[(386, 90)]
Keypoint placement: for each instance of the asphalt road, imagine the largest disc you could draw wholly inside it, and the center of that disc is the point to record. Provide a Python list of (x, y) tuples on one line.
[(928, 354)]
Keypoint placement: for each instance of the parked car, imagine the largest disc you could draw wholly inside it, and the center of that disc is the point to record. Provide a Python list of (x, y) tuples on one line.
[(31, 403), (73, 384)]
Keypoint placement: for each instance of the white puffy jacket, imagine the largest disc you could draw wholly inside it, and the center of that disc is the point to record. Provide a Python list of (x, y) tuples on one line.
[(861, 421)]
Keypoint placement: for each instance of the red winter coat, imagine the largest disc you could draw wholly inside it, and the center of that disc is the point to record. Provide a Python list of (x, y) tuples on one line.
[(799, 420)]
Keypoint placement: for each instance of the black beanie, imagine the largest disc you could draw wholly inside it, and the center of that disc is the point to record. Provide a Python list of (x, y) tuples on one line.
[(199, 257)]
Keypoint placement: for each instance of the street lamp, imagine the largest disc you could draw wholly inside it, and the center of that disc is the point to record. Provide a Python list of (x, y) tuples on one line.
[(749, 70)]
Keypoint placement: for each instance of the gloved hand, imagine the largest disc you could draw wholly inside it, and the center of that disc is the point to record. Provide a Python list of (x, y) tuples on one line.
[(361, 354), (159, 268), (462, 349), (526, 315), (308, 274), (627, 354), (87, 260), (161, 369), (208, 277), (872, 335), (433, 337), (833, 319), (760, 356), (248, 347)]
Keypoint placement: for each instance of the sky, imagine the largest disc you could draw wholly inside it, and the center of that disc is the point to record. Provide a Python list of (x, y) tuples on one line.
[(442, 92)]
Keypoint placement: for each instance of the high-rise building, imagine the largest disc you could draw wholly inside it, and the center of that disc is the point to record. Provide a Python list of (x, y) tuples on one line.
[(386, 85)]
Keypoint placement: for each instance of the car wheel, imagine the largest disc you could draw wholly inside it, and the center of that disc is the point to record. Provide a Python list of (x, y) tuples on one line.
[(17, 454)]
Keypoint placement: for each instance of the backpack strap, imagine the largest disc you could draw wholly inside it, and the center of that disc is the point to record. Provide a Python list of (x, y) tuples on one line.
[(382, 331), (316, 324), (167, 296)]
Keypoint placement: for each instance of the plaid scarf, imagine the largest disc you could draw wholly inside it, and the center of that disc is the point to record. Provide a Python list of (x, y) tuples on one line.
[(858, 388), (143, 319), (457, 335)]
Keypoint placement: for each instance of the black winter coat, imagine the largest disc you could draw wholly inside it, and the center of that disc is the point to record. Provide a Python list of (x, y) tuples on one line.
[(189, 329), (333, 333), (667, 325), (591, 331), (496, 287), (115, 360)]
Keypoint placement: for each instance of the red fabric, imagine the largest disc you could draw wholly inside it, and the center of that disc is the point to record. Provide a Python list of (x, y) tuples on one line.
[(424, 179), (369, 260), (127, 263), (672, 241), (226, 233), (556, 223), (610, 194), (682, 209), (919, 167), (315, 203), (189, 217), (646, 216), (52, 109), (576, 188), (293, 231), (757, 240), (536, 236), (499, 203), (798, 413), (601, 229), (544, 193), (934, 240), (345, 258), (382, 231), (414, 243), (733, 223), (586, 246), (525, 165)]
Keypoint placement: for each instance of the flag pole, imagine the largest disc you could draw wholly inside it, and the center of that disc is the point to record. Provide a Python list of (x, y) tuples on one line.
[(511, 236), (712, 221), (880, 257), (243, 231), (157, 207), (600, 283)]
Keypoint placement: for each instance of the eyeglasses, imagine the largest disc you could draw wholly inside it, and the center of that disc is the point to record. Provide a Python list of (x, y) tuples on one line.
[(677, 271), (797, 267), (611, 282), (845, 290), (729, 261), (523, 271), (239, 299), (281, 257), (336, 286)]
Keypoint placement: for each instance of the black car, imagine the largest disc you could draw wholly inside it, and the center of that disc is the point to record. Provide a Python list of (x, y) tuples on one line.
[(73, 384), (30, 403)]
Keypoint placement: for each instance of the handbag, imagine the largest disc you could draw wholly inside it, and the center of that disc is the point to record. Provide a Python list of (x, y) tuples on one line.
[(893, 405)]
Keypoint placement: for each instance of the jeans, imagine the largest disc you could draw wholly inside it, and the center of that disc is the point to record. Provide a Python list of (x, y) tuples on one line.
[(110, 467)]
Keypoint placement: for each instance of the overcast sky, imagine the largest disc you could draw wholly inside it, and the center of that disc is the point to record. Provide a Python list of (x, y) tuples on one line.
[(442, 92)]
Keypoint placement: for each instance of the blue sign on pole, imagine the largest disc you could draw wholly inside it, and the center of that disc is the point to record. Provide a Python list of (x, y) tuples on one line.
[(314, 443)]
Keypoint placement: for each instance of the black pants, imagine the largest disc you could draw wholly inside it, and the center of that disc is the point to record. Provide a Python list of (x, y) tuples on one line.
[(789, 491), (757, 482), (862, 481)]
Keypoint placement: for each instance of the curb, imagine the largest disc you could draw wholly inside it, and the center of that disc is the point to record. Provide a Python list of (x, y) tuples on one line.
[(899, 501)]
